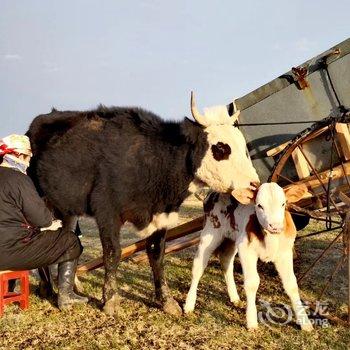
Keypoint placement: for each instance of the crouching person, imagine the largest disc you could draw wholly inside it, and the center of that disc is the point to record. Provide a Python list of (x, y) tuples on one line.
[(23, 245)]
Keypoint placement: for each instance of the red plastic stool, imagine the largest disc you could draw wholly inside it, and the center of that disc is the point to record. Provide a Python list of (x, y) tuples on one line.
[(7, 297)]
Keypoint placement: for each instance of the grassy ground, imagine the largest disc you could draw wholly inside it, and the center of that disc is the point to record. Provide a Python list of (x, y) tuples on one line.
[(215, 324)]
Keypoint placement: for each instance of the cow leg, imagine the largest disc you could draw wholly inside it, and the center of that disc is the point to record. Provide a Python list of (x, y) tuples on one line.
[(109, 235), (227, 252), (249, 261), (210, 241), (284, 266), (155, 247)]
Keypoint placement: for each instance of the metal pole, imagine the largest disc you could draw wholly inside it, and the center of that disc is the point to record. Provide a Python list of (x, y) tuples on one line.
[(347, 228)]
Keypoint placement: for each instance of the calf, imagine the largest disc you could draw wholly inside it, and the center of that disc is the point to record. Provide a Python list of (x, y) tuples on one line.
[(255, 224)]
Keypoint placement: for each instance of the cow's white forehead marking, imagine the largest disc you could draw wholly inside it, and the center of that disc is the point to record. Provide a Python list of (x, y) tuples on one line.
[(269, 206), (159, 221), (218, 115), (270, 194)]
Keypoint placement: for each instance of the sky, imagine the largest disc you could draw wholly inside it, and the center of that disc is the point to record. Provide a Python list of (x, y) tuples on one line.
[(77, 54)]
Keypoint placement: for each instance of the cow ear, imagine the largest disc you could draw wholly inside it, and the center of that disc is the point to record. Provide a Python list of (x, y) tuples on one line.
[(295, 192), (191, 130), (254, 185), (244, 195)]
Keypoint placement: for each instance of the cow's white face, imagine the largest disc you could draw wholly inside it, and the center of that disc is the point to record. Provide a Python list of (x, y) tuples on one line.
[(226, 164), (270, 205)]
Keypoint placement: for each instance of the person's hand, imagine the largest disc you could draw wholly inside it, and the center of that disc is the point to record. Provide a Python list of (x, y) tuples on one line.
[(56, 224)]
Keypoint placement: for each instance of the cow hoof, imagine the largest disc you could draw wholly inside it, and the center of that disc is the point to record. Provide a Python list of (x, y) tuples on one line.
[(45, 290), (111, 306), (238, 303), (307, 327), (188, 308), (253, 328), (172, 307), (78, 286)]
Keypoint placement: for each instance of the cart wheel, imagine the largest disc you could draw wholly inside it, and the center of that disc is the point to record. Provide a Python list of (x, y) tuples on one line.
[(319, 157)]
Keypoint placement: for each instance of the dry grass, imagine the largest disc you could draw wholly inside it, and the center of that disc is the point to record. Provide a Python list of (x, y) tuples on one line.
[(140, 325)]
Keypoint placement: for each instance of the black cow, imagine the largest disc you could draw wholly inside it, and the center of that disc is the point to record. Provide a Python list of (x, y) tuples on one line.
[(126, 164)]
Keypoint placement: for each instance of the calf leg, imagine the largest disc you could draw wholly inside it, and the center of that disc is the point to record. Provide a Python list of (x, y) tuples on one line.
[(227, 252), (284, 266), (155, 247), (208, 243), (249, 261), (109, 235)]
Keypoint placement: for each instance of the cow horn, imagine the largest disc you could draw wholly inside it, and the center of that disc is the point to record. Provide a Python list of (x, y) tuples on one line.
[(199, 118), (235, 112)]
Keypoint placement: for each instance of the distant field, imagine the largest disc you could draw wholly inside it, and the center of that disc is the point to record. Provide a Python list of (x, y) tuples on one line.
[(215, 324)]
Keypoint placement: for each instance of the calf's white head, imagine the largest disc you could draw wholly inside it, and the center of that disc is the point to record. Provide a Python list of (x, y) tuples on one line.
[(226, 164), (270, 203)]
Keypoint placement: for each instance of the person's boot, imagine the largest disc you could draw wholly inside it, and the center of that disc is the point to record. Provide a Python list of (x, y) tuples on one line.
[(45, 287), (66, 295)]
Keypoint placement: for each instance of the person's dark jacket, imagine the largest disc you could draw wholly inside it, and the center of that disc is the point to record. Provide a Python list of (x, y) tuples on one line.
[(22, 211)]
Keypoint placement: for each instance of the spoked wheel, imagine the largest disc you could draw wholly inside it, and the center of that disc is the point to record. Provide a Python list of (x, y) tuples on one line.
[(319, 157)]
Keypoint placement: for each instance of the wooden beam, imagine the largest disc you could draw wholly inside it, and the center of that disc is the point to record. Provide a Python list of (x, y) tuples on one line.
[(273, 151), (344, 198), (301, 165), (316, 134), (171, 248), (343, 136), (312, 182), (174, 233)]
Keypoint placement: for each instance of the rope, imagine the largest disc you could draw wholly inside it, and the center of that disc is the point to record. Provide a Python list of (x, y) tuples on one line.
[(324, 66), (277, 123)]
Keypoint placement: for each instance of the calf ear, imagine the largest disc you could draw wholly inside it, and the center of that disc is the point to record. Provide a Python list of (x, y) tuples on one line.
[(295, 192), (289, 226), (244, 195)]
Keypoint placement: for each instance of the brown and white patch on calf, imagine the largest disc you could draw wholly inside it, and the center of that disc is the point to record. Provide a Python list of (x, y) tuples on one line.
[(253, 229), (229, 212), (210, 202)]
